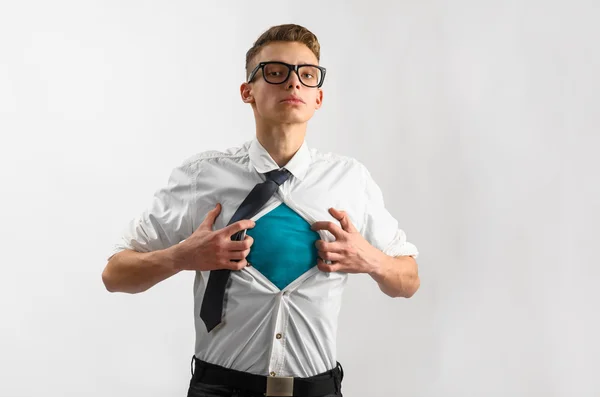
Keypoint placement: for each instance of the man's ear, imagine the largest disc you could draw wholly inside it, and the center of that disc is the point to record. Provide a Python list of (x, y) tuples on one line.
[(246, 93), (319, 101)]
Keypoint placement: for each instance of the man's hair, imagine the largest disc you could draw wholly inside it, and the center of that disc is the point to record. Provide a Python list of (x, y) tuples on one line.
[(287, 32)]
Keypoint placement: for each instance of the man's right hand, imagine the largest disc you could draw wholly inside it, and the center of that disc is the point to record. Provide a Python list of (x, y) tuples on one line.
[(206, 249)]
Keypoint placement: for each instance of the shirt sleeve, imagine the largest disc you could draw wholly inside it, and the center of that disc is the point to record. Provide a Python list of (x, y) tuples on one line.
[(167, 220), (380, 228)]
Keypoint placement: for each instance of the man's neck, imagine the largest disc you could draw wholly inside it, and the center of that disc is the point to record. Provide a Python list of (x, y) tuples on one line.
[(282, 141)]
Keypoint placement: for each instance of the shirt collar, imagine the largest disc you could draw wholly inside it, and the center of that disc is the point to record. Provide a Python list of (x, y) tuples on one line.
[(263, 162)]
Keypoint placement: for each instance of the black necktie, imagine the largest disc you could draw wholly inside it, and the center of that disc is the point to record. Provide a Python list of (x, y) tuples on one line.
[(212, 305)]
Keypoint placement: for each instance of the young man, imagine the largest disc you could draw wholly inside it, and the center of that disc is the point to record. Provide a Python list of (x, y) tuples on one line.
[(272, 229)]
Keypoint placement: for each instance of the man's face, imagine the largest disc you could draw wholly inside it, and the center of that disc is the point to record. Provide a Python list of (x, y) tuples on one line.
[(271, 101)]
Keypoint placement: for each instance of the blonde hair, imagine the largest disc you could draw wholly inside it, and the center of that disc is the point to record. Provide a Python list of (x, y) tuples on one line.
[(287, 32)]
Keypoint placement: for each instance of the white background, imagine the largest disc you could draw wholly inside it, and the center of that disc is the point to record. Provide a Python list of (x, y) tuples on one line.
[(479, 120)]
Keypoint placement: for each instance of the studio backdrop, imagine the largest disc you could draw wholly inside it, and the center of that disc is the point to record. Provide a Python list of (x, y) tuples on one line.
[(478, 119)]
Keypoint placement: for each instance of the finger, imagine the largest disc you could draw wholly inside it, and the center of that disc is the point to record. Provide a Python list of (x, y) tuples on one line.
[(237, 264), (330, 227), (328, 268), (238, 255), (238, 227), (232, 245), (210, 218), (346, 223), (331, 256), (330, 246)]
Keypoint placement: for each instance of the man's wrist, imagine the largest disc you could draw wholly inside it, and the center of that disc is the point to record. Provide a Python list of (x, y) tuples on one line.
[(169, 258), (378, 265)]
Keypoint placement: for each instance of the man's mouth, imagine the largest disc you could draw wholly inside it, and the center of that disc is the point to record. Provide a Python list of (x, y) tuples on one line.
[(293, 99)]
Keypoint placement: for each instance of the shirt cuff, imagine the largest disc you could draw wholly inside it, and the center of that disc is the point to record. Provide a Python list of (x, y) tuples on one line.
[(400, 247)]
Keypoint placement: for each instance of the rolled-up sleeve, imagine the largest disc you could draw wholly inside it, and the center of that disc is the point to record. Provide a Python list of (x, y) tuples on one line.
[(167, 220), (380, 228)]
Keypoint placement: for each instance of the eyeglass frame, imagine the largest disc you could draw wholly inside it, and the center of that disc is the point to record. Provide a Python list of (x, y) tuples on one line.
[(290, 67)]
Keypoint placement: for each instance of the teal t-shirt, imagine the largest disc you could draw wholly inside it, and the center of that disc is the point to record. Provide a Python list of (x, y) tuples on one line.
[(284, 246)]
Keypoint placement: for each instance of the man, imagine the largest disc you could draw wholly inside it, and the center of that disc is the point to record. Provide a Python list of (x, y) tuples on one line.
[(271, 229)]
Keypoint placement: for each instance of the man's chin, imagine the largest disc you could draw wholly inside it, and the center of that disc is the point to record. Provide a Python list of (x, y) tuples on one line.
[(291, 119)]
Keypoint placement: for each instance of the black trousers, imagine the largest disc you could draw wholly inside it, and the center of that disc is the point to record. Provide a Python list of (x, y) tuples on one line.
[(199, 389)]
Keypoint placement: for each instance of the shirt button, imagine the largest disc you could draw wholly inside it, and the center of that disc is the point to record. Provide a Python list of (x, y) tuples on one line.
[(272, 373), (278, 336)]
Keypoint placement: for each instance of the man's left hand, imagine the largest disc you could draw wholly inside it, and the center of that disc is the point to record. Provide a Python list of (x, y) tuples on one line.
[(350, 252)]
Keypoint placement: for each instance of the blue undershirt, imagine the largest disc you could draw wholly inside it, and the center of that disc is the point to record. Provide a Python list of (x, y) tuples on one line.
[(284, 246)]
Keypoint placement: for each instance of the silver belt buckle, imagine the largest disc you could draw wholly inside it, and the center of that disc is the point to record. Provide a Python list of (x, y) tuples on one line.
[(280, 386)]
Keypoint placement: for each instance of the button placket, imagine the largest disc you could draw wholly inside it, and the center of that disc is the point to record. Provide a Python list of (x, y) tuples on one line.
[(277, 350), (278, 343)]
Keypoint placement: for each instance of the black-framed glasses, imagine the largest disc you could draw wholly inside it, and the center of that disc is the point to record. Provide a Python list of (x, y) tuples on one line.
[(278, 73)]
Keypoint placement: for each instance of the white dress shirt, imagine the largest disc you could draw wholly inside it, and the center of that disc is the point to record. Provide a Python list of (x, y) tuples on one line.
[(288, 332)]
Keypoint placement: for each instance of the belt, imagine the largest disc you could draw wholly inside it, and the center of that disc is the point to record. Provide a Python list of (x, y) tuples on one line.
[(328, 382)]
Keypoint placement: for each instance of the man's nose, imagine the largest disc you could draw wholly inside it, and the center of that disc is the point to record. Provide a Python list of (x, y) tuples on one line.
[(293, 80)]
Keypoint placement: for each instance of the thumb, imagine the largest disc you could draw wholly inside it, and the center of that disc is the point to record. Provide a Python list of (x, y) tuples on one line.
[(209, 221), (344, 220), (337, 214)]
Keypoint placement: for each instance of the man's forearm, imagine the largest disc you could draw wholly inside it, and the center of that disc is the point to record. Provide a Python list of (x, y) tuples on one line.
[(397, 276), (133, 272)]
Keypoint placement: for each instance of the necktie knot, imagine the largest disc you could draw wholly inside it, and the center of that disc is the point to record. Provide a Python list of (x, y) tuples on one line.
[(278, 176)]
